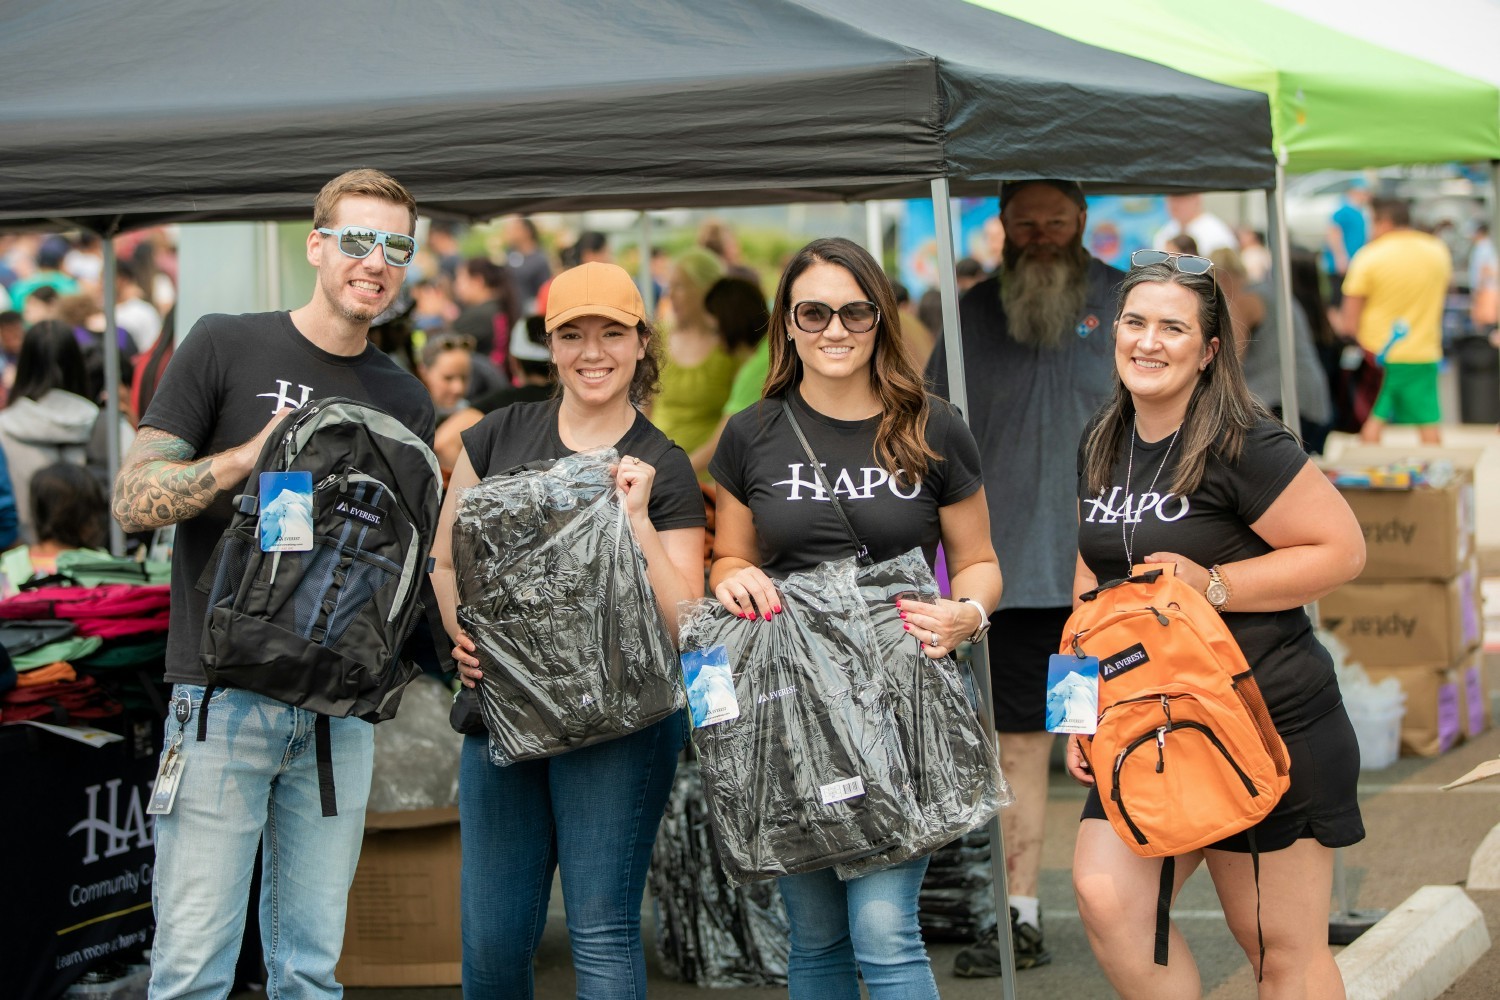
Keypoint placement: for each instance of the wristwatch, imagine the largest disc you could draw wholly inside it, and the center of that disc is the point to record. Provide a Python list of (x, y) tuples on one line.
[(984, 619), (1217, 591)]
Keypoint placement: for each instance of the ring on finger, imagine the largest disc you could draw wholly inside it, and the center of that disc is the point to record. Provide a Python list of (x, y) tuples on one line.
[(934, 638)]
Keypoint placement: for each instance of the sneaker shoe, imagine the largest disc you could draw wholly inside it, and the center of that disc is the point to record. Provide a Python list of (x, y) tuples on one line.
[(981, 960)]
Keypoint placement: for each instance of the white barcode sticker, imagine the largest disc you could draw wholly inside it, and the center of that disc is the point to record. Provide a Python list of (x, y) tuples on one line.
[(838, 791)]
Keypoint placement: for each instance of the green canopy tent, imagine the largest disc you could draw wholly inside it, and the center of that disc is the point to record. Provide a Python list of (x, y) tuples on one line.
[(1337, 102)]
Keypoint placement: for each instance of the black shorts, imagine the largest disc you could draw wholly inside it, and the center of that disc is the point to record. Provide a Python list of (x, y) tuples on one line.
[(1323, 800), (1021, 641)]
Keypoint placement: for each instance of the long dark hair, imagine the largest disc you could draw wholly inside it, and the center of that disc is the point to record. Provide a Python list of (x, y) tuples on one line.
[(901, 439), (739, 306), (1220, 410), (1309, 293), (68, 506), (50, 359)]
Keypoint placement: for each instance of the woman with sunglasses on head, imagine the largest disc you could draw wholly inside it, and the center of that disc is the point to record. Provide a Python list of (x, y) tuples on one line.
[(906, 469), (1184, 466), (592, 812)]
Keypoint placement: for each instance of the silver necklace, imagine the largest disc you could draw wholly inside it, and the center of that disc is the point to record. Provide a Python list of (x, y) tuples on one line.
[(1129, 542)]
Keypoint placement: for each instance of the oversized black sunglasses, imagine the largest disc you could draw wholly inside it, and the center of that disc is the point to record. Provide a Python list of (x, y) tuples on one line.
[(857, 317)]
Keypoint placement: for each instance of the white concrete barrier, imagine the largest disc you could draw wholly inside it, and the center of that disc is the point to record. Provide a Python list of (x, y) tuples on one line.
[(1484, 866), (1418, 949)]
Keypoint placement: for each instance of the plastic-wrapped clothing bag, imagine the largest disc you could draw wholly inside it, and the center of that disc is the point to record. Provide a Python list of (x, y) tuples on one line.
[(706, 932), (953, 761), (416, 753), (810, 772), (957, 902), (552, 588)]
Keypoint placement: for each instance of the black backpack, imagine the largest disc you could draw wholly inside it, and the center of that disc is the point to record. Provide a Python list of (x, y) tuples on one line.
[(323, 630)]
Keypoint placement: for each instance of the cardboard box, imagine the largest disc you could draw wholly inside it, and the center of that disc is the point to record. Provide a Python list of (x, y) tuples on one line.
[(1398, 623), (403, 923), (1431, 724), (1424, 533), (1473, 696)]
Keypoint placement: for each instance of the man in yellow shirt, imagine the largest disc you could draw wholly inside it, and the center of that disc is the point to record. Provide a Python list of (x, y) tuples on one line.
[(1393, 300)]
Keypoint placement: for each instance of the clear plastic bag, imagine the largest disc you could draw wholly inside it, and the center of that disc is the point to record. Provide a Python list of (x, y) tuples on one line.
[(957, 902), (810, 773), (953, 762), (416, 753), (706, 932), (552, 588)]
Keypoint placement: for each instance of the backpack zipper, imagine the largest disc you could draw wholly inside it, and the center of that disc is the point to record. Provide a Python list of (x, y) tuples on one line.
[(1159, 734)]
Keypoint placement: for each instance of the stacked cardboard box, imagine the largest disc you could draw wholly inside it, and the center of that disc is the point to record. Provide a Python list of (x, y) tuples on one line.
[(402, 927), (1415, 613)]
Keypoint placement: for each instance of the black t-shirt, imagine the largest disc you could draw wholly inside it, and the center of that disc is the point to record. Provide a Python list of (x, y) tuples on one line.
[(761, 463), (224, 382), (527, 432), (1212, 526)]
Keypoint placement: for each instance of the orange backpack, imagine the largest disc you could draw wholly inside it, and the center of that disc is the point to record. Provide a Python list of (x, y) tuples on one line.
[(1185, 753)]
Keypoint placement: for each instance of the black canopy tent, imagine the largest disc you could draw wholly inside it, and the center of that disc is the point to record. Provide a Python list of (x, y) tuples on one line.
[(123, 114)]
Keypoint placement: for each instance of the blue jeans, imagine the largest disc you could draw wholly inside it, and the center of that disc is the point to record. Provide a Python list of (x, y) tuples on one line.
[(870, 921), (593, 813), (254, 783)]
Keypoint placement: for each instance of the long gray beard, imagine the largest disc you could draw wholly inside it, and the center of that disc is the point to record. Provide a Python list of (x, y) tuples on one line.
[(1043, 298)]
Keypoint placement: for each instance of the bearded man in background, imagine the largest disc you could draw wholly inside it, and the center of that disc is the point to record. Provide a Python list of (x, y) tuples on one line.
[(1038, 351)]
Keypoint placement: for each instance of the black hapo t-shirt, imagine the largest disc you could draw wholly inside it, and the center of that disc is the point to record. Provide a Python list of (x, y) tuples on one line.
[(1212, 526), (762, 464), (527, 432), (224, 382)]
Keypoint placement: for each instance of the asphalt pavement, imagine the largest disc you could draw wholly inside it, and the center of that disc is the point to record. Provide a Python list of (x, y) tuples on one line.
[(1416, 835)]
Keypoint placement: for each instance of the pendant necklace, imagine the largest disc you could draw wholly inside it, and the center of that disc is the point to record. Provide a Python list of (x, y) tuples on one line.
[(1129, 542)]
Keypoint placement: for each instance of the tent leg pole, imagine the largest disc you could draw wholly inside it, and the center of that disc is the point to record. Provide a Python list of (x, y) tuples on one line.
[(111, 387), (1281, 277), (874, 232), (643, 269), (942, 217), (1495, 200)]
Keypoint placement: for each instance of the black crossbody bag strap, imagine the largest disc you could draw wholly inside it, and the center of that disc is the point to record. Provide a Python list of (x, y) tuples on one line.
[(861, 552)]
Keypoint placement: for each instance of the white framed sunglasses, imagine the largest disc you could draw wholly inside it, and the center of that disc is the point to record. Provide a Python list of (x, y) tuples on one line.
[(360, 241)]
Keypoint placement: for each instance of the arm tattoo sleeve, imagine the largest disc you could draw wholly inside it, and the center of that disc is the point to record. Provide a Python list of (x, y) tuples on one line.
[(159, 483)]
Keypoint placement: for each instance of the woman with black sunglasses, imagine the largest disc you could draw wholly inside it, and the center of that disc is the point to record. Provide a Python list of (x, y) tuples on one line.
[(1183, 465), (906, 470)]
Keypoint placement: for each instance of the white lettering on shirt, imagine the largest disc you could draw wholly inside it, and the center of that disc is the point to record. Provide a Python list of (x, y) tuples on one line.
[(283, 396), (848, 484), (1131, 509)]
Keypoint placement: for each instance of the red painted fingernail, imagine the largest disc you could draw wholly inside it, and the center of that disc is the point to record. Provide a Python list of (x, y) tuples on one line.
[(903, 616), (907, 627), (776, 610), (768, 616)]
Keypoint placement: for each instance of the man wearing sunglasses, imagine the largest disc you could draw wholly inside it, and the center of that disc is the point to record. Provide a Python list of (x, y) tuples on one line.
[(254, 775), (1039, 360)]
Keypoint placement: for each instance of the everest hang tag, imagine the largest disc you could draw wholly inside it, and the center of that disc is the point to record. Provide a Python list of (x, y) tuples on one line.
[(1072, 694), (168, 779), (286, 512)]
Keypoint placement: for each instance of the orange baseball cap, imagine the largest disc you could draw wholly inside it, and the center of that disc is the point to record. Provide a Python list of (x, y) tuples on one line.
[(594, 289)]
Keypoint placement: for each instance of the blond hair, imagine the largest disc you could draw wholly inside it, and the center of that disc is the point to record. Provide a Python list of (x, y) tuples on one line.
[(362, 181)]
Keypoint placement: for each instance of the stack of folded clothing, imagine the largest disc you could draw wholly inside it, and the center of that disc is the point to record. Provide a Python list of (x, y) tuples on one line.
[(59, 639)]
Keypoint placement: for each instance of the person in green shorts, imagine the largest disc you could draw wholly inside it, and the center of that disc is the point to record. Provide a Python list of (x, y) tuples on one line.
[(1409, 395), (1393, 303)]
